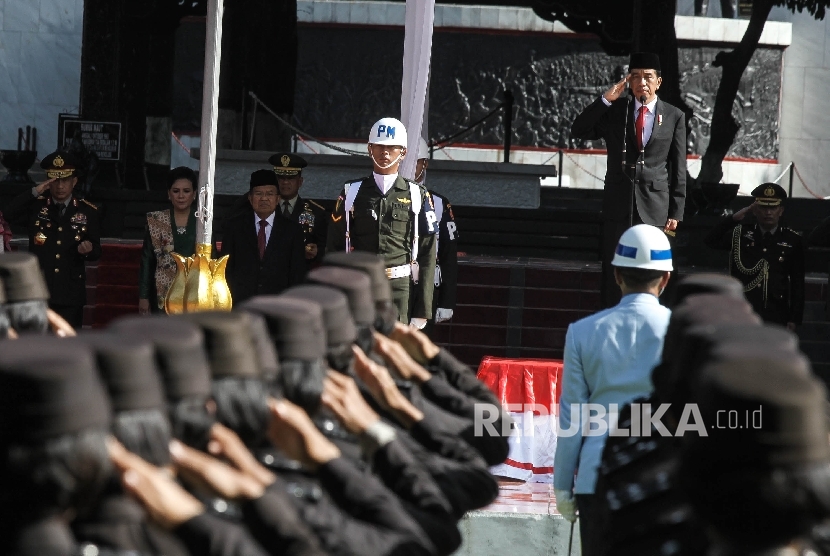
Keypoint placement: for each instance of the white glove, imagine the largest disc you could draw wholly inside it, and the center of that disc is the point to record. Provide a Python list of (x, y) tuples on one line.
[(566, 504), (442, 314), (418, 323)]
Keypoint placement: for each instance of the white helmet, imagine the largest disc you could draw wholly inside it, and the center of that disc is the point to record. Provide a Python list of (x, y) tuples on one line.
[(423, 149), (388, 131), (643, 246)]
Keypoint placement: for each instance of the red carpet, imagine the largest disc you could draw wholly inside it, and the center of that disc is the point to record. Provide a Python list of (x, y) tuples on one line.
[(112, 283)]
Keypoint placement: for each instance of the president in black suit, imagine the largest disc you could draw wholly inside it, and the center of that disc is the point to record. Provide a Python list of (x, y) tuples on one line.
[(646, 139), (266, 251)]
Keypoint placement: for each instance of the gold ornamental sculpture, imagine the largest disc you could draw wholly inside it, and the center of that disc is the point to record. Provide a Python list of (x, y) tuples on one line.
[(200, 283)]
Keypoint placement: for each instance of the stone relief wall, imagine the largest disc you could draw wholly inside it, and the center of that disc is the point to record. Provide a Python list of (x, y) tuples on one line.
[(345, 83)]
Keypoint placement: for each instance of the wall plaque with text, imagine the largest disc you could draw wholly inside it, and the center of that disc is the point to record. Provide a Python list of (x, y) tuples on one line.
[(102, 138)]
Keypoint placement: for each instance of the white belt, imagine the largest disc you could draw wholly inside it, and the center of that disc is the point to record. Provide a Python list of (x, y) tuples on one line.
[(399, 271)]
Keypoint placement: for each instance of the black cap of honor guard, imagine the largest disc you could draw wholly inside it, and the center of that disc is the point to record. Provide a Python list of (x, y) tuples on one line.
[(355, 284), (708, 282), (337, 318), (228, 342), (295, 325), (22, 279), (49, 387), (368, 263), (180, 353), (127, 366)]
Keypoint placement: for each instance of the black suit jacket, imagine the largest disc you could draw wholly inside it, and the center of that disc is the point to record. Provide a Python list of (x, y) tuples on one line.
[(661, 191), (283, 265)]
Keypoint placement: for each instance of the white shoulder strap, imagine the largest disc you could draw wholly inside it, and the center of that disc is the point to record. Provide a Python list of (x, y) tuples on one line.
[(439, 213), (351, 190), (415, 197)]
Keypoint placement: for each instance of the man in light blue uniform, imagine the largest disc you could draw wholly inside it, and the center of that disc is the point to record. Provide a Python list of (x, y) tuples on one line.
[(608, 360)]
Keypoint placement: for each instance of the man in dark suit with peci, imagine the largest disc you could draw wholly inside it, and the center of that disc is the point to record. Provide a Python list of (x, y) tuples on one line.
[(646, 139), (266, 251)]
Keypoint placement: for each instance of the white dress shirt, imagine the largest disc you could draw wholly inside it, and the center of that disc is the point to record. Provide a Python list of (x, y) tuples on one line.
[(384, 181), (268, 227), (649, 127)]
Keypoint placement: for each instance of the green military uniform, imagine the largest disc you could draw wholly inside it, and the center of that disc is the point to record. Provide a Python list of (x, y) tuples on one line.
[(770, 264), (384, 225)]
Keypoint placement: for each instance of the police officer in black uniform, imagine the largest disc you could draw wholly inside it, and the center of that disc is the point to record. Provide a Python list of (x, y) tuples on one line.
[(766, 257), (310, 215), (63, 233)]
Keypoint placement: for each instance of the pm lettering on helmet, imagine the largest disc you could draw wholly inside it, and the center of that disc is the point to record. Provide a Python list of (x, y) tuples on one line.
[(390, 131)]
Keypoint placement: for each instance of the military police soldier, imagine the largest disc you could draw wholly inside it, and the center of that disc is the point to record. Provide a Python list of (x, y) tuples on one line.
[(309, 214), (393, 217), (446, 267), (766, 257), (63, 233)]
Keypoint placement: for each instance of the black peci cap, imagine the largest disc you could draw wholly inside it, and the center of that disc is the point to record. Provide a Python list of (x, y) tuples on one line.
[(263, 177), (295, 325), (372, 265), (355, 284), (22, 279), (337, 319), (49, 387), (287, 164), (127, 366), (228, 341), (180, 353), (644, 60)]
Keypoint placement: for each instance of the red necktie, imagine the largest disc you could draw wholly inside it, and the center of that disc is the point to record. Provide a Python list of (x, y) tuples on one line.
[(260, 238), (641, 125)]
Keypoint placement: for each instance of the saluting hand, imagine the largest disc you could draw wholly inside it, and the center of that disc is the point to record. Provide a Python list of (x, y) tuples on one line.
[(738, 216), (614, 92), (43, 186)]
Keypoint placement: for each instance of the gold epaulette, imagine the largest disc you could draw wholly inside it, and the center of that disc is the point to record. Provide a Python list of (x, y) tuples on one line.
[(88, 203)]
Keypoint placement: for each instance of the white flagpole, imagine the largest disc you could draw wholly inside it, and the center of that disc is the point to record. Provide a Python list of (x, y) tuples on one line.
[(417, 51), (210, 115), (200, 283)]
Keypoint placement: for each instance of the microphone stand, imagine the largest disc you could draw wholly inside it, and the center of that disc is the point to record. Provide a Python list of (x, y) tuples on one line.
[(637, 166), (625, 162)]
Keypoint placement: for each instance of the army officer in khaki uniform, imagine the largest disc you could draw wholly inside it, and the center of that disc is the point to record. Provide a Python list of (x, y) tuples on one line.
[(63, 233)]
